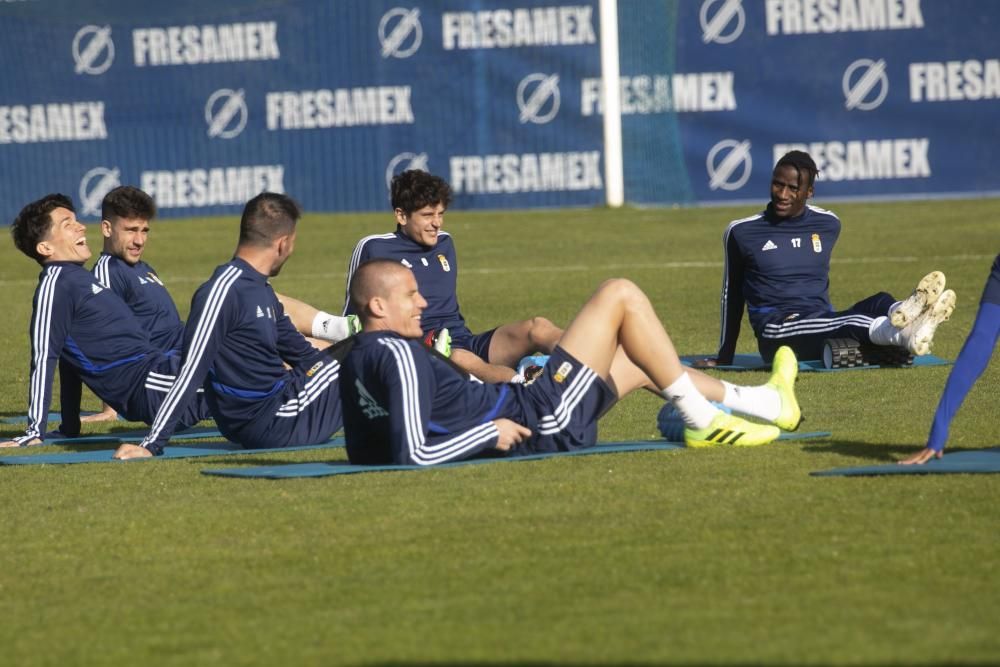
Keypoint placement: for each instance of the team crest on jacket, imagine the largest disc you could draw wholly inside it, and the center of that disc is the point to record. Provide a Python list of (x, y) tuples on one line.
[(444, 262), (312, 371), (817, 244), (563, 371)]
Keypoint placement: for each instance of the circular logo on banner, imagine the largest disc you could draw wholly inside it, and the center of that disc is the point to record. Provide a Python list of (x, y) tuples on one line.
[(725, 162), (226, 113), (865, 84), (93, 50), (404, 162), (400, 33), (96, 183), (538, 98), (723, 26)]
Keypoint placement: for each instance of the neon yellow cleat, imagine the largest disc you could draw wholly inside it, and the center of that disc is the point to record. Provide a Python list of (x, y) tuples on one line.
[(784, 370), (731, 430)]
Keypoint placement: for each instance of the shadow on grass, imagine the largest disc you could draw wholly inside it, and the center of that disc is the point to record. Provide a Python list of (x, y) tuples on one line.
[(252, 461), (872, 452)]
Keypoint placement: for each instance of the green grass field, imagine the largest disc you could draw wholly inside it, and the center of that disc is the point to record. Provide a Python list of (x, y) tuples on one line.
[(724, 556)]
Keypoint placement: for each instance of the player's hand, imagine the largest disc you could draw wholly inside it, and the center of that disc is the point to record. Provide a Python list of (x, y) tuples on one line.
[(9, 443), (921, 457), (708, 362), (105, 415), (126, 452), (511, 433)]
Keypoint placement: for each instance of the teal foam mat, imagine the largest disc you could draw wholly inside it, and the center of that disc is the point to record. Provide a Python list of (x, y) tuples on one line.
[(968, 462), (117, 438), (753, 362), (169, 452), (296, 470), (53, 417)]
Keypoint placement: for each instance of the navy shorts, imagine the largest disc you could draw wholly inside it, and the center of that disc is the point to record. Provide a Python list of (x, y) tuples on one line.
[(478, 344), (563, 405), (306, 411)]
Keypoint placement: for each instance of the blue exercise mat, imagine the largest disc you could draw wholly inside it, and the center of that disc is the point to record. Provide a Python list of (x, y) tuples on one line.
[(753, 362), (291, 470), (295, 470), (194, 433), (170, 452), (53, 417), (970, 462)]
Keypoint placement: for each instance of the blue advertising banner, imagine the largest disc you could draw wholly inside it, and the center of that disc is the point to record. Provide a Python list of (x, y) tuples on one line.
[(204, 105), (893, 98)]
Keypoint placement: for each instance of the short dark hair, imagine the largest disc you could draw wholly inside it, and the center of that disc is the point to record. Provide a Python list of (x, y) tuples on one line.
[(370, 279), (128, 202), (34, 221), (414, 189), (266, 217), (801, 162)]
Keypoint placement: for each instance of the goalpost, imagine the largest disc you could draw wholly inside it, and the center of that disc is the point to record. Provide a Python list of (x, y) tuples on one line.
[(614, 172)]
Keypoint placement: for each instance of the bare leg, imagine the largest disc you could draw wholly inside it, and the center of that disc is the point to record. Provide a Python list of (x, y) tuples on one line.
[(511, 342), (620, 314), (300, 312), (625, 377)]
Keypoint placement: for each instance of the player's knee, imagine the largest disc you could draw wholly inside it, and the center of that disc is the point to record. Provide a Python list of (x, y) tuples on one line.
[(621, 290), (542, 332), (617, 286)]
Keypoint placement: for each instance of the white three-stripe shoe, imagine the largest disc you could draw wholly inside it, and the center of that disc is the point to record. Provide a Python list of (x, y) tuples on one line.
[(925, 295), (920, 334)]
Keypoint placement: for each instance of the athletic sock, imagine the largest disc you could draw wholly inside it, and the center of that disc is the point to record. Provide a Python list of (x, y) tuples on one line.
[(881, 332), (696, 411), (762, 401), (330, 327)]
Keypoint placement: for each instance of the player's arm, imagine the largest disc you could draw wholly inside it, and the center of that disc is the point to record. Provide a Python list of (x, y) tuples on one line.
[(732, 301), (969, 366), (70, 393), (49, 328), (486, 372), (406, 373), (213, 312), (293, 347)]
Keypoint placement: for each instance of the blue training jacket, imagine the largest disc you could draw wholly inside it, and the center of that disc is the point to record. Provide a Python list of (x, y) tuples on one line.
[(775, 268), (235, 342), (88, 330)]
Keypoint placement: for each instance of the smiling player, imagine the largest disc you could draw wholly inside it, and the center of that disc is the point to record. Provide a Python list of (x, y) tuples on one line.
[(86, 328), (777, 264), (419, 202)]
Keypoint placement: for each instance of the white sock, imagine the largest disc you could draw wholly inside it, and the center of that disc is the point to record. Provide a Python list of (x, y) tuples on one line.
[(882, 332), (893, 307), (329, 327), (762, 401), (695, 409)]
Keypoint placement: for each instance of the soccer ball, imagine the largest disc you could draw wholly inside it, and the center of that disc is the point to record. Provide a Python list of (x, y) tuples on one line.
[(671, 424)]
